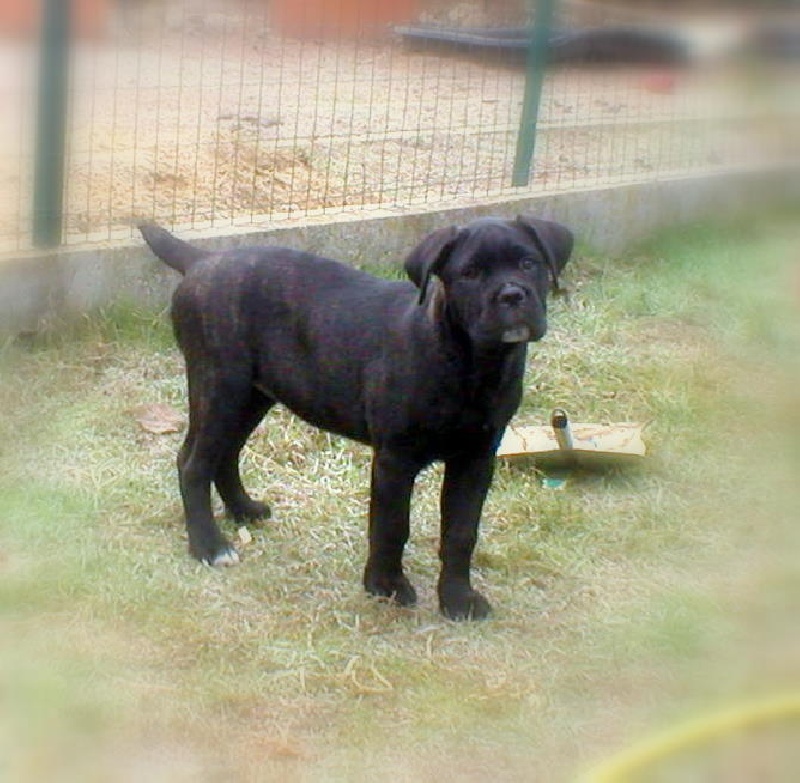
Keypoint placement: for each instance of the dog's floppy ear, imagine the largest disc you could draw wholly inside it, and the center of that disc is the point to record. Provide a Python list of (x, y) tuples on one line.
[(554, 242), (429, 256)]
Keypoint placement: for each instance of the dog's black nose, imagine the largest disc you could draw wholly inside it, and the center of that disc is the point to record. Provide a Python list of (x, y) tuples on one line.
[(512, 295)]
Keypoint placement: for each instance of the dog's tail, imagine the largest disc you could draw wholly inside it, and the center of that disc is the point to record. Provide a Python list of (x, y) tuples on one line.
[(172, 251)]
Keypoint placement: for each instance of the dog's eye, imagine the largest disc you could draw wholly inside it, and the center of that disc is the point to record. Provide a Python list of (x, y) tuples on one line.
[(527, 264), (471, 273)]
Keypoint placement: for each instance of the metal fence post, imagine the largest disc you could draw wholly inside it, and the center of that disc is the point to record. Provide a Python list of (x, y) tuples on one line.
[(534, 79), (48, 186)]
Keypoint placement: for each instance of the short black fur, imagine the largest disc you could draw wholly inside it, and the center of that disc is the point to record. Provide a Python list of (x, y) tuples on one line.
[(423, 371)]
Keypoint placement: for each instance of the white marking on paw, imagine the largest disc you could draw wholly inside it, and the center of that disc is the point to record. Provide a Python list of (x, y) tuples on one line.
[(227, 557)]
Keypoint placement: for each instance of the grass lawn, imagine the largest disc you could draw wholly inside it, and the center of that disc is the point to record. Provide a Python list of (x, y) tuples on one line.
[(623, 603)]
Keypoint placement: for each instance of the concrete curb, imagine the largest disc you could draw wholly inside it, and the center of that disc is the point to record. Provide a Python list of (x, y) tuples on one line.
[(40, 289)]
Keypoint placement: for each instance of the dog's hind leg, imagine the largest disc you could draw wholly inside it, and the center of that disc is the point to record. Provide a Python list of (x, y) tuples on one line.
[(238, 503), (216, 405)]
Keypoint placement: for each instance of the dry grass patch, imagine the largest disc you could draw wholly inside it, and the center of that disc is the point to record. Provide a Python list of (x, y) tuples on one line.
[(622, 602)]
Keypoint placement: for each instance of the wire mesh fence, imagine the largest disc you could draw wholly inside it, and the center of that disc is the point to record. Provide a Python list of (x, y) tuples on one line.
[(204, 113)]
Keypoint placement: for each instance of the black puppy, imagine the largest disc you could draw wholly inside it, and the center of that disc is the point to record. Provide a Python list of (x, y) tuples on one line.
[(423, 372)]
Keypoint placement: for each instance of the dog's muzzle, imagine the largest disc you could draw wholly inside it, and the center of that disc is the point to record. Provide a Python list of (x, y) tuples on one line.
[(513, 301)]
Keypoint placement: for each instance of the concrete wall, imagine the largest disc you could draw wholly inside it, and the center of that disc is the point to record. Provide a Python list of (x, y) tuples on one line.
[(41, 288)]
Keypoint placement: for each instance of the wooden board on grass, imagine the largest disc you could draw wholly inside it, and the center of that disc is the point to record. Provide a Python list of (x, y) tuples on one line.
[(592, 444)]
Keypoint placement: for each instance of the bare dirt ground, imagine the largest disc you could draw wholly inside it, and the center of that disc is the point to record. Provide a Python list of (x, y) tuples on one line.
[(231, 123)]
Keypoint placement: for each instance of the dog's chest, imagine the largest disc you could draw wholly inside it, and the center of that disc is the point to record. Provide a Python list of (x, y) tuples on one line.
[(482, 413), (464, 421), (467, 431)]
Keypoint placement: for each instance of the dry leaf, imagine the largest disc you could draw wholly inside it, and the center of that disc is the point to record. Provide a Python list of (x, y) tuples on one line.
[(159, 419)]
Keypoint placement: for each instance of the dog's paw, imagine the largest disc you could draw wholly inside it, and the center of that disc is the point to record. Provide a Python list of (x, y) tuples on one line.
[(248, 511), (223, 556), (460, 604), (396, 587), (226, 557)]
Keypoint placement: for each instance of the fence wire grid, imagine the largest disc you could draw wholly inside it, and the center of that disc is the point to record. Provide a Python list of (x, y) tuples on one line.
[(203, 113)]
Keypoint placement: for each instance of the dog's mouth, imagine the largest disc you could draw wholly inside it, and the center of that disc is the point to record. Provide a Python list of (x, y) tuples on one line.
[(521, 334)]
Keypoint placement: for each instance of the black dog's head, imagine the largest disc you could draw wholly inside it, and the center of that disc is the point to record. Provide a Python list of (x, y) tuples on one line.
[(492, 276)]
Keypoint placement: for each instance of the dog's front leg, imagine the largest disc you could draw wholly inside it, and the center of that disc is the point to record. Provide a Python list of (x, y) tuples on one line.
[(392, 483), (466, 482)]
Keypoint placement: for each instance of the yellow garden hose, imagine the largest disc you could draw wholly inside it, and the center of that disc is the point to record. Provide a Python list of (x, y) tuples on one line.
[(621, 767)]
